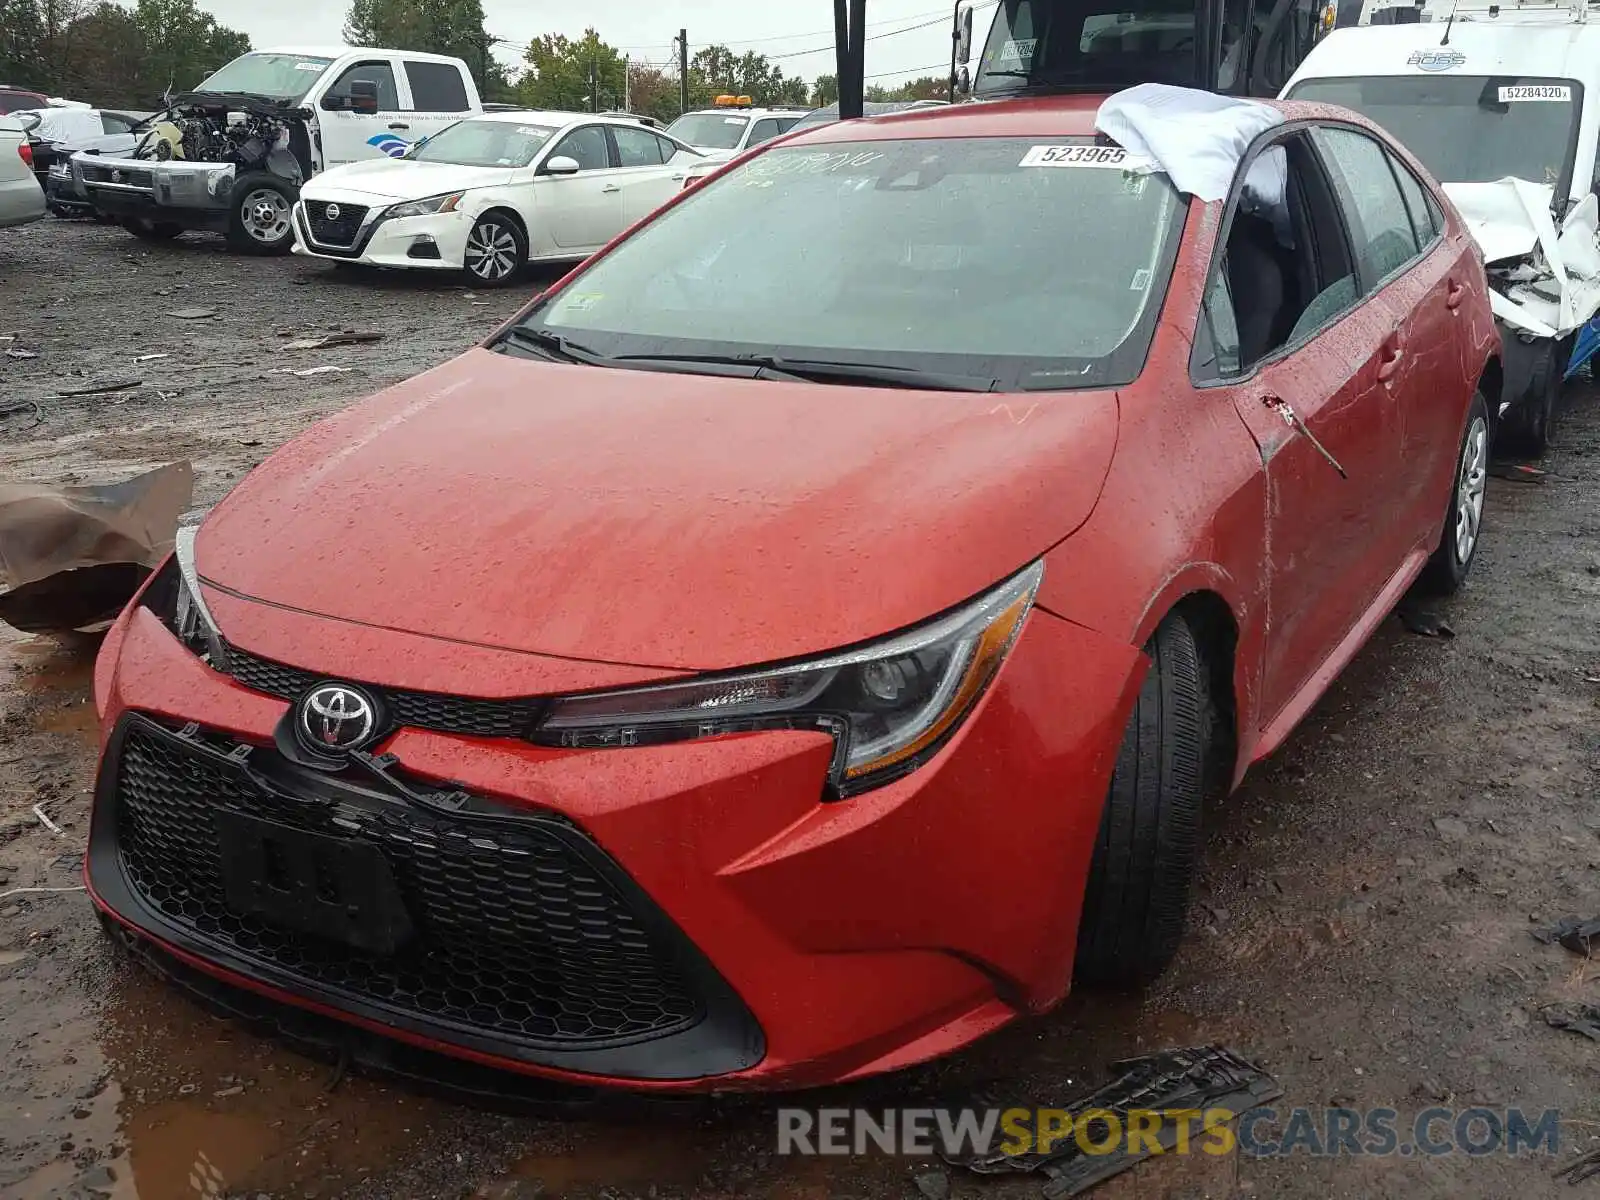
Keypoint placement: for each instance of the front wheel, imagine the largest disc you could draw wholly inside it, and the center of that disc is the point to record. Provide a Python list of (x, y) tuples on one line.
[(496, 251), (260, 222), (1452, 561), (1145, 855)]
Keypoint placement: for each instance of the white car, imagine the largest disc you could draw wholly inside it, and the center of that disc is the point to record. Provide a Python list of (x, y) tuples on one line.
[(21, 199), (722, 134), (492, 193)]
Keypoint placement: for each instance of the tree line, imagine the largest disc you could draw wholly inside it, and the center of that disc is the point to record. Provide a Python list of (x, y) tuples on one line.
[(121, 56)]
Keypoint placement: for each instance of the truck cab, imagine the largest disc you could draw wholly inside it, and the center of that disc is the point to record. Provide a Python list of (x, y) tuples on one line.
[(1236, 47), (231, 155)]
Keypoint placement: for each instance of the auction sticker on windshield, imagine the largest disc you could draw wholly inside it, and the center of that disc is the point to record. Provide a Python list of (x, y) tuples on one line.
[(1084, 156), (1018, 50), (1535, 91)]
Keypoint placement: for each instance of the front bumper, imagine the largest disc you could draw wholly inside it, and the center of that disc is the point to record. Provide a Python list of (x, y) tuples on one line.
[(193, 195), (819, 942), (426, 243)]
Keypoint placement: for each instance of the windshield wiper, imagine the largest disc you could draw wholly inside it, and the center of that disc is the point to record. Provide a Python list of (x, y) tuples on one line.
[(556, 347), (812, 370)]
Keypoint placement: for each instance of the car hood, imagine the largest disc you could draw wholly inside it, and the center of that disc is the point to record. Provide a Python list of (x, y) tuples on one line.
[(401, 179), (680, 522), (114, 145)]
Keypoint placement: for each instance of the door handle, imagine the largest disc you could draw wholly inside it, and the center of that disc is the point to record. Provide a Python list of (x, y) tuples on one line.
[(399, 125), (1390, 362), (1456, 294), (609, 188)]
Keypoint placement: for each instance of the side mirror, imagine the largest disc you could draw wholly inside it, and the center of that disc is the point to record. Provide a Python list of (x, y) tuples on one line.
[(562, 165), (963, 81), (363, 96), (963, 34)]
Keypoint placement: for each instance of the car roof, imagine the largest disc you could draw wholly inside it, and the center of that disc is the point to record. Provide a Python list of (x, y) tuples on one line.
[(341, 51), (1499, 46), (533, 116), (731, 111)]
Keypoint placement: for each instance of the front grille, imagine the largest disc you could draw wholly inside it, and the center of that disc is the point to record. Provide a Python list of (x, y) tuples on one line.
[(422, 710), (522, 928), (340, 231), (133, 178)]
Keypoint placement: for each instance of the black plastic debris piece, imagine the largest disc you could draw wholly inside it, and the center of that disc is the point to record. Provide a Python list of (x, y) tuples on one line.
[(1580, 1168), (1205, 1077), (1424, 623), (1576, 1018), (1576, 934), (1517, 473)]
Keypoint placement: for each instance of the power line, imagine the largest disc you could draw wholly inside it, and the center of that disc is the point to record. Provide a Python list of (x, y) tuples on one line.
[(938, 66)]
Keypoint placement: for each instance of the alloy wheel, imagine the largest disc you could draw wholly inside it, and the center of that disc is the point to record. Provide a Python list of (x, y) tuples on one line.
[(491, 251), (1471, 485)]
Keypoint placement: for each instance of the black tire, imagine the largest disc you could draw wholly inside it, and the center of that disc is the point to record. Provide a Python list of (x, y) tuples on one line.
[(1525, 431), (1449, 567), (1145, 855), (151, 231), (497, 251), (250, 230)]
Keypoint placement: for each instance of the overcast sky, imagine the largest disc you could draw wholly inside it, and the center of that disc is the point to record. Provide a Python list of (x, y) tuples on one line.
[(645, 28)]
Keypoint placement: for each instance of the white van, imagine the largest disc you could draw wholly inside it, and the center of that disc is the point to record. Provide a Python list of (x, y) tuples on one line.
[(1502, 105), (230, 156)]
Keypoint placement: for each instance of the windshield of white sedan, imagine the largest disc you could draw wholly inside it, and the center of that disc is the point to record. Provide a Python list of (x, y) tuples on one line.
[(709, 131), (1022, 264), (484, 144), (1469, 129), (280, 76)]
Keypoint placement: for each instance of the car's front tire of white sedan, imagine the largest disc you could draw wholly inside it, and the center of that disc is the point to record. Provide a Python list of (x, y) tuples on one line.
[(496, 250)]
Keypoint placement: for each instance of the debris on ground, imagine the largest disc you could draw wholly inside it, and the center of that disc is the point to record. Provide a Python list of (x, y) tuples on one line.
[(1518, 473), (311, 371), (149, 357), (192, 314), (1574, 933), (44, 819), (72, 557), (1580, 1168), (327, 341), (1424, 623), (1575, 1018), (100, 386), (1203, 1078), (22, 354)]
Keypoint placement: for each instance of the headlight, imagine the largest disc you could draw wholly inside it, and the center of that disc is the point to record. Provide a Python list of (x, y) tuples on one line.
[(174, 596), (427, 208), (889, 705)]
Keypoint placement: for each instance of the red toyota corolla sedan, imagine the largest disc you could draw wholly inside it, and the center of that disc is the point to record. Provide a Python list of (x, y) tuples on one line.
[(803, 640)]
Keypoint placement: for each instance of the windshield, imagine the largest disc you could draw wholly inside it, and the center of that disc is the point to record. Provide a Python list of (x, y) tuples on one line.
[(1469, 129), (280, 76), (1042, 267), (709, 131), (1089, 44), (484, 144)]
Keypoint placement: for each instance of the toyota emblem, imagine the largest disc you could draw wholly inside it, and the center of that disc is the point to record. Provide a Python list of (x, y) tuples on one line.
[(336, 718), (331, 212)]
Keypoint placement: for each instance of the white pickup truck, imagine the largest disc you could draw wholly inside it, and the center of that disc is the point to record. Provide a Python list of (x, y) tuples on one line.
[(231, 155)]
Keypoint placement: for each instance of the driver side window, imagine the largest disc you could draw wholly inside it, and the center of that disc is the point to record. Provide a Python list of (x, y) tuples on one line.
[(1283, 269), (587, 147), (380, 73)]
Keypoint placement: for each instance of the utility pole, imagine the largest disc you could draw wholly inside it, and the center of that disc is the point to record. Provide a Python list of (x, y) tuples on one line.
[(683, 71), (594, 85), (627, 83)]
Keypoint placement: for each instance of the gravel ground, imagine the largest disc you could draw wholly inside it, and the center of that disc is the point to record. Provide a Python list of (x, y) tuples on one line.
[(1364, 913)]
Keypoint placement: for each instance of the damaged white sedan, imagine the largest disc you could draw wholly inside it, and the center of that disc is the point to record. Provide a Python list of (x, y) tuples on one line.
[(1503, 107), (492, 193)]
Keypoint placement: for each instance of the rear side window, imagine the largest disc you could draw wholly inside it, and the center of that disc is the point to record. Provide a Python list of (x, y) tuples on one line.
[(1380, 225), (437, 87), (765, 131), (380, 73), (636, 147), (1418, 203)]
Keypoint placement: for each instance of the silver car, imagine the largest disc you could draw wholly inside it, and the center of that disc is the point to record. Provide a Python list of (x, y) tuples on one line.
[(21, 199)]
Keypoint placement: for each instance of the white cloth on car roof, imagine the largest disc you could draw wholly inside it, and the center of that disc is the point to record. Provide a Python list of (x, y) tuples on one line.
[(1199, 138)]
